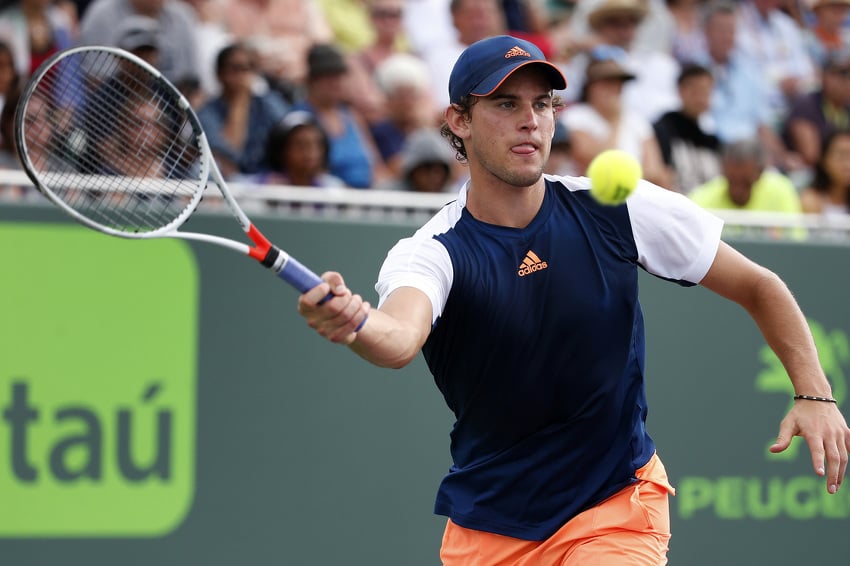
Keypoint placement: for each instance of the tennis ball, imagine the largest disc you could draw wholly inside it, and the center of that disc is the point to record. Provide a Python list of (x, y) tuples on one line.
[(614, 174)]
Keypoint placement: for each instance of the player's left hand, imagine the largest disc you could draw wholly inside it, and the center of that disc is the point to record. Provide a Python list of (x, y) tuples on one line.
[(826, 432)]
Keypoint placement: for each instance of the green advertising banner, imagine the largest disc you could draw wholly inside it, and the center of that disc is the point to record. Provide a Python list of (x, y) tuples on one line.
[(163, 403), (98, 349)]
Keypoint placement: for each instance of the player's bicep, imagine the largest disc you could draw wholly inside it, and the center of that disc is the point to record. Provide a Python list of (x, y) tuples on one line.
[(412, 309)]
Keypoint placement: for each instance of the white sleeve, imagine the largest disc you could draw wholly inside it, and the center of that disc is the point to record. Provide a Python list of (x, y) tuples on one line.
[(675, 237), (420, 262)]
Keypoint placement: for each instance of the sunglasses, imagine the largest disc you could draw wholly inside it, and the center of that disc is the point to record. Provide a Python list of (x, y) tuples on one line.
[(386, 13), (843, 73)]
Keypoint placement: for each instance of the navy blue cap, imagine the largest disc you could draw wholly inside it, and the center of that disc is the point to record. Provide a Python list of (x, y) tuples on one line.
[(485, 65)]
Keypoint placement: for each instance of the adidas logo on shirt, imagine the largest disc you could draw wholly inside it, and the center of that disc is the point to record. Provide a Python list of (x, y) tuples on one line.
[(517, 52), (530, 264)]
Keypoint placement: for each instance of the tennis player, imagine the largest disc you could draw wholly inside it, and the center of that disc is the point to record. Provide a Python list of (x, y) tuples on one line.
[(523, 297)]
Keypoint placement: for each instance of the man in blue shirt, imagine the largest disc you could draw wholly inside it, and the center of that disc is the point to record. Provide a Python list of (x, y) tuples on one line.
[(522, 295), (238, 121)]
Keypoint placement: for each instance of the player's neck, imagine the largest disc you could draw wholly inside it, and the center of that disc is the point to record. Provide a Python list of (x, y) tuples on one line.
[(505, 205)]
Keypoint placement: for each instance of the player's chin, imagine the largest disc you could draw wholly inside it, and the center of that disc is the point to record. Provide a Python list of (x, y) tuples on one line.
[(524, 176)]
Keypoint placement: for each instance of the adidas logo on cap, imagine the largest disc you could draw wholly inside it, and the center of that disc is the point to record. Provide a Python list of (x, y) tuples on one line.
[(516, 51)]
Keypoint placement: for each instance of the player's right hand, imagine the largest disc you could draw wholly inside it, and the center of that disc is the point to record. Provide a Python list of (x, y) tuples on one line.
[(338, 319)]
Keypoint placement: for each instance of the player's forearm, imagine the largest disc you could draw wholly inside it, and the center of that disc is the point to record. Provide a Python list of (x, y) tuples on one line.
[(787, 332), (386, 342)]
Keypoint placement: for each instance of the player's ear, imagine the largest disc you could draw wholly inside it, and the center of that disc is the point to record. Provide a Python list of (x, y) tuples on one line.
[(458, 120)]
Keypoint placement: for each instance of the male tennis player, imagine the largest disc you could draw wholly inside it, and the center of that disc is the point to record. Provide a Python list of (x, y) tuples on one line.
[(523, 297)]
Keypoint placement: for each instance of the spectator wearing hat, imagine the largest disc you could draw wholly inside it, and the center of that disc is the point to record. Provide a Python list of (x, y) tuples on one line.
[(828, 32), (406, 86), (353, 156), (600, 121), (615, 23), (653, 32), (237, 121), (140, 36), (297, 153), (178, 46), (816, 115), (426, 164)]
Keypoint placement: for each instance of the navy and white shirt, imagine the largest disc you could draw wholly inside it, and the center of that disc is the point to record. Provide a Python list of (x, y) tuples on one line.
[(537, 346)]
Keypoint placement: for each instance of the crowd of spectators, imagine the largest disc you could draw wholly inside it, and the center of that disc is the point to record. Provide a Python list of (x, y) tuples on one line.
[(740, 104)]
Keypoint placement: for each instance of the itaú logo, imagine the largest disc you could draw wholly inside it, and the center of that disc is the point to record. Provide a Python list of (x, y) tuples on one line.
[(530, 264)]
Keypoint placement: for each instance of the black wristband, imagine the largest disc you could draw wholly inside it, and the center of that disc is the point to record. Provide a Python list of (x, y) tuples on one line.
[(813, 398)]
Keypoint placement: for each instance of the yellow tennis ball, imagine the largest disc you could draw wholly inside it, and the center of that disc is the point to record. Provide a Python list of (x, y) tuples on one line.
[(614, 174)]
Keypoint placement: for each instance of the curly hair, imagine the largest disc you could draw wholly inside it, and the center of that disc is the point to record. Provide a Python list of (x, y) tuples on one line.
[(464, 108)]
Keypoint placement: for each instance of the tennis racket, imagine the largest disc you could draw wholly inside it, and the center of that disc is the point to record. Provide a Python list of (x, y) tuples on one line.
[(110, 141)]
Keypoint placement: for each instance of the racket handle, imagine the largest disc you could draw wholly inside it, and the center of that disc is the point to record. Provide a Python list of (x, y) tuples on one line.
[(300, 277), (303, 279)]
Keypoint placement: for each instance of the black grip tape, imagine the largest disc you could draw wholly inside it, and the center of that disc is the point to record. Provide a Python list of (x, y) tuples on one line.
[(271, 257)]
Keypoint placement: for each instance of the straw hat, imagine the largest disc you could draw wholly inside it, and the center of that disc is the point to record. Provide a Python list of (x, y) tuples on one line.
[(613, 8)]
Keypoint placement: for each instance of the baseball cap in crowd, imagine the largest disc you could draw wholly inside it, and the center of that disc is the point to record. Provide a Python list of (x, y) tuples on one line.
[(485, 65), (325, 59), (138, 32), (603, 69)]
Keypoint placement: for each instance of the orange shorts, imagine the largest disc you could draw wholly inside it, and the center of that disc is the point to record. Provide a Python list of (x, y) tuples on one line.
[(630, 528)]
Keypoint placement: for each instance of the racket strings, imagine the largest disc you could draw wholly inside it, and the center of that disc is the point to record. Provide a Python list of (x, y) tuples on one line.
[(113, 142)]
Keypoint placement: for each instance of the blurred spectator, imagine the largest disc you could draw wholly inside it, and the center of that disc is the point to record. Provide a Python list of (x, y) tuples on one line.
[(829, 32), (821, 112), (8, 150), (385, 17), (140, 35), (601, 121), (829, 191), (473, 20), (138, 149), (35, 30), (427, 23), (426, 164), (654, 31), (212, 36), (747, 183), (40, 122), (238, 121), (561, 160), (615, 23), (281, 32), (688, 43), (406, 85), (770, 39), (9, 77), (353, 156), (691, 152), (738, 109), (297, 154), (178, 46), (349, 21)]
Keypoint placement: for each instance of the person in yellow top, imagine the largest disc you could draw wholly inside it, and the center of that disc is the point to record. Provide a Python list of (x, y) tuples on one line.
[(747, 183)]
